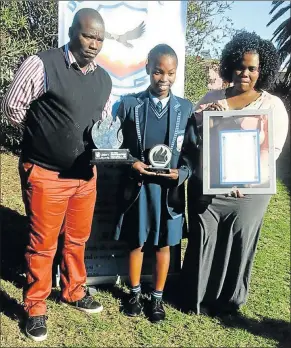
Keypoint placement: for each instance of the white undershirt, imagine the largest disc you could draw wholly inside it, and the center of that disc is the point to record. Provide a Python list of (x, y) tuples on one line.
[(156, 100)]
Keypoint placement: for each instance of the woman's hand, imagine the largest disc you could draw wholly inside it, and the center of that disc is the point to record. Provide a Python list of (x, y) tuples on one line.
[(235, 192), (173, 175), (214, 107), (210, 107), (141, 168)]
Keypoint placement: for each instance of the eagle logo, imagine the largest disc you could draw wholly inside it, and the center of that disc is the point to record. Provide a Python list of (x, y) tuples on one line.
[(126, 45), (123, 39)]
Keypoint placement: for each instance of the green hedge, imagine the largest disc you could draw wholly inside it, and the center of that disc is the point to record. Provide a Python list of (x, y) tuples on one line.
[(26, 27), (196, 78)]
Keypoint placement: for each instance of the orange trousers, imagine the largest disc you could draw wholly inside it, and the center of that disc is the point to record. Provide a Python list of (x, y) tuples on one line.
[(54, 204)]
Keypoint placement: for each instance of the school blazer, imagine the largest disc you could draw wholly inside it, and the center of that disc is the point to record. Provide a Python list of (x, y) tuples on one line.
[(132, 113)]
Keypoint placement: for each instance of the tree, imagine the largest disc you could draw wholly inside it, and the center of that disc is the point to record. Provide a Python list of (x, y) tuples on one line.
[(205, 27), (43, 20), (26, 27), (196, 78), (282, 35)]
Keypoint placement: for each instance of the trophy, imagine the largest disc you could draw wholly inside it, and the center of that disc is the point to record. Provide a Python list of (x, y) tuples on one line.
[(107, 137), (160, 158)]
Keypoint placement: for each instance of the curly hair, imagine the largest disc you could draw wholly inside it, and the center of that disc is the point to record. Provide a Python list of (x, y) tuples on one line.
[(246, 42)]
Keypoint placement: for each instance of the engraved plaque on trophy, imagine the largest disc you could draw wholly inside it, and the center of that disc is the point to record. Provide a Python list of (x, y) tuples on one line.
[(107, 137), (160, 158)]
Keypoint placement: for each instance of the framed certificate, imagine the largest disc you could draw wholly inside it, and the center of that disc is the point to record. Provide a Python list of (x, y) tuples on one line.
[(238, 151), (240, 157)]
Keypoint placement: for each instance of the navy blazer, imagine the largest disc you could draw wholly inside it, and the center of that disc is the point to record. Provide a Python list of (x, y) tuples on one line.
[(132, 113)]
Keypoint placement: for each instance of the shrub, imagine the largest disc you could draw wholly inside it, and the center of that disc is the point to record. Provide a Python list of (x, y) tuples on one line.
[(26, 27), (196, 78)]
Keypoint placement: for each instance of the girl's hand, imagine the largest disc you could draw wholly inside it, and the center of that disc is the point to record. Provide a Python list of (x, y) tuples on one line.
[(173, 175), (141, 168)]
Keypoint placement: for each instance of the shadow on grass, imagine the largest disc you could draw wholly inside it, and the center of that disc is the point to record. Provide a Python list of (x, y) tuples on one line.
[(278, 330), (12, 309), (14, 238), (116, 292)]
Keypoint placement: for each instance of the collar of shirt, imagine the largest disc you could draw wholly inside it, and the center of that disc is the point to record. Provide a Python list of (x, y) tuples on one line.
[(71, 61), (156, 100)]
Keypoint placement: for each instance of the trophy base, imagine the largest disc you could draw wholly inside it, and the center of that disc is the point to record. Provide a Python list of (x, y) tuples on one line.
[(158, 170), (109, 155)]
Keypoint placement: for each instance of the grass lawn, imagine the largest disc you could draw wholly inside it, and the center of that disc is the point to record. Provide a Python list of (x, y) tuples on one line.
[(264, 321)]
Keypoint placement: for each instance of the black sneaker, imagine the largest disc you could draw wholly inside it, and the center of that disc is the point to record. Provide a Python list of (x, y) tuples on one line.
[(157, 312), (36, 328), (87, 304), (134, 306)]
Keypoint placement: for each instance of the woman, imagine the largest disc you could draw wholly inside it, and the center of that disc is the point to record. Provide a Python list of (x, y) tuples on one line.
[(224, 231)]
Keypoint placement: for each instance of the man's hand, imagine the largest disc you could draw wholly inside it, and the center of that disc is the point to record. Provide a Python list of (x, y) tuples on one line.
[(173, 175), (141, 168)]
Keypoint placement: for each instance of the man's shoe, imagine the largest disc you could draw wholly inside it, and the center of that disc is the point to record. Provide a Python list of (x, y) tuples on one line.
[(87, 304), (134, 306), (157, 312), (36, 328)]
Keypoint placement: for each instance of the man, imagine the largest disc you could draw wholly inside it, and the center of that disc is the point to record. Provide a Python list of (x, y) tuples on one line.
[(57, 96)]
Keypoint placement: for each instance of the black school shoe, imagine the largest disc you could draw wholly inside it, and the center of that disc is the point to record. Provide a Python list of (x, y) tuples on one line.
[(36, 328), (134, 305), (87, 304), (156, 311)]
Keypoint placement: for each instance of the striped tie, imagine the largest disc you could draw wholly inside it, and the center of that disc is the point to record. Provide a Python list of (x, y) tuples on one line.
[(159, 107)]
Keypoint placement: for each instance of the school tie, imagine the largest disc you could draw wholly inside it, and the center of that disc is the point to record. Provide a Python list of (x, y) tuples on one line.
[(159, 107)]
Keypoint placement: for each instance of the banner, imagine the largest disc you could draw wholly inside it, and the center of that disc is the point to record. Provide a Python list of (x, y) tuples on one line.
[(132, 29)]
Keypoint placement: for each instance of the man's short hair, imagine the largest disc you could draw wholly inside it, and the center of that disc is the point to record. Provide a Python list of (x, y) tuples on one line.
[(86, 12)]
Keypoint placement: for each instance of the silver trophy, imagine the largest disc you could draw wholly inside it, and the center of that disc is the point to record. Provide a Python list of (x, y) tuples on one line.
[(160, 158), (107, 137)]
